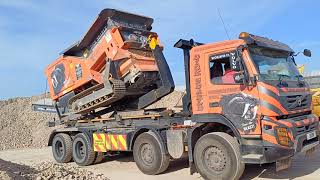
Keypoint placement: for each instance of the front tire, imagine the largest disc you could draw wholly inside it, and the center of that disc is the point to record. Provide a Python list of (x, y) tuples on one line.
[(217, 156), (62, 148), (148, 155), (82, 150)]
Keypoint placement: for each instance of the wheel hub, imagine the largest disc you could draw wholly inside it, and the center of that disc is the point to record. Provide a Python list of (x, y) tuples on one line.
[(59, 148), (80, 149), (147, 153), (215, 159)]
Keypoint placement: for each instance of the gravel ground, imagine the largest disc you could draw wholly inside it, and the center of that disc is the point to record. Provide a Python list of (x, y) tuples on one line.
[(45, 171), (123, 167)]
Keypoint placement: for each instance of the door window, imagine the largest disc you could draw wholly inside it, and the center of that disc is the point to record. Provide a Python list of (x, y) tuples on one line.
[(221, 71)]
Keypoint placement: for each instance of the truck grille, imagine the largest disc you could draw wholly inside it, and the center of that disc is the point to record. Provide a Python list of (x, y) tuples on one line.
[(295, 102), (305, 128)]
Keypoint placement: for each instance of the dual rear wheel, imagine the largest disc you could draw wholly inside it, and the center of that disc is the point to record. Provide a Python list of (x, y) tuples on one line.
[(148, 154), (79, 150), (62, 148)]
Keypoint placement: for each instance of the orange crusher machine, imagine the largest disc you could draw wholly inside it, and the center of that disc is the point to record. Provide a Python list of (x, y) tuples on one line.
[(118, 62)]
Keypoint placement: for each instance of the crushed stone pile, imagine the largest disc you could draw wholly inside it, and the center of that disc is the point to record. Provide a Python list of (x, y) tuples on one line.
[(171, 101), (46, 171), (20, 127), (49, 170), (4, 175)]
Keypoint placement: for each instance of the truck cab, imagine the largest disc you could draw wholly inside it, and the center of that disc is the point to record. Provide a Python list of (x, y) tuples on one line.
[(252, 88)]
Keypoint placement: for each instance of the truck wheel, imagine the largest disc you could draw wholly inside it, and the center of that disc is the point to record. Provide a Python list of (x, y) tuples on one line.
[(82, 150), (148, 155), (217, 156), (62, 148)]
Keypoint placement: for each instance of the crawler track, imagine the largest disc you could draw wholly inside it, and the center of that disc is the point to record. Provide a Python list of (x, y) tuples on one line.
[(119, 91)]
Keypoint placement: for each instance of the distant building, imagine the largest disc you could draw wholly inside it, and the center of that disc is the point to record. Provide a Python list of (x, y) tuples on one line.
[(313, 79)]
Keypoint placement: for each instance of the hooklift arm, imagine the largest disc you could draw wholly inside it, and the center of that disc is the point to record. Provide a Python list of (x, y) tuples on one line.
[(165, 75), (44, 105), (186, 46)]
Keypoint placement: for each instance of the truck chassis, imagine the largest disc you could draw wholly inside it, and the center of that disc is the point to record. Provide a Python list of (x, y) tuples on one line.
[(154, 139)]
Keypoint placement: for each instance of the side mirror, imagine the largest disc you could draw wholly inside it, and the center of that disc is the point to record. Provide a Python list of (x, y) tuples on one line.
[(307, 52)]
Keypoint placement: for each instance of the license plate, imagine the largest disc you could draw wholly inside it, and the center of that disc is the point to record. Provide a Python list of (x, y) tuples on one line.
[(311, 135)]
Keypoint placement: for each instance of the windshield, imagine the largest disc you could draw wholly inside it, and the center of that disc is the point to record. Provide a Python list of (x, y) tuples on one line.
[(274, 64)]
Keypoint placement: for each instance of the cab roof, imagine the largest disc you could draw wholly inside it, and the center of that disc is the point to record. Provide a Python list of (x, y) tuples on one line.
[(264, 42)]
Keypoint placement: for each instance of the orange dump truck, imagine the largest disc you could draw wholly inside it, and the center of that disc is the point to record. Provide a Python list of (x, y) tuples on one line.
[(245, 102)]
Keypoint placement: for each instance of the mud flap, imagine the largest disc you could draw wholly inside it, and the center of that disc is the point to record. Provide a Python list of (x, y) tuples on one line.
[(175, 143), (283, 164), (310, 151)]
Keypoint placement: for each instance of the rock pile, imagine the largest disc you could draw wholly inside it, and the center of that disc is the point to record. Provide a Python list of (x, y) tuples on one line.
[(45, 171), (20, 127), (49, 170)]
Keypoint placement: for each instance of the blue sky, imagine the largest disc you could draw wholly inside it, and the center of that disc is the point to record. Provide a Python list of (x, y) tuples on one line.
[(33, 33)]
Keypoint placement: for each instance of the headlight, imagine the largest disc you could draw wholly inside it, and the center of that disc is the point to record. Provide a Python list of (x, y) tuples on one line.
[(283, 136)]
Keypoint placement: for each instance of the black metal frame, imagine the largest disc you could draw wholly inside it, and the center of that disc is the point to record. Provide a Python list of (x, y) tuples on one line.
[(167, 83), (186, 46), (134, 126)]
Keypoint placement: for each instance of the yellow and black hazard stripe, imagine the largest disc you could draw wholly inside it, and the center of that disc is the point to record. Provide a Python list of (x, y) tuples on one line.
[(116, 142), (110, 142), (99, 142)]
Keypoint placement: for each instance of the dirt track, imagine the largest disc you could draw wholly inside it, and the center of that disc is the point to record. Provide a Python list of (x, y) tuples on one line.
[(123, 167)]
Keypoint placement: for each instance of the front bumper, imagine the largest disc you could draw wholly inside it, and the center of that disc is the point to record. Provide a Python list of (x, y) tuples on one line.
[(303, 145), (268, 150), (273, 153)]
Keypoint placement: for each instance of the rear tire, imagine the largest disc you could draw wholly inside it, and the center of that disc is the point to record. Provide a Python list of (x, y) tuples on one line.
[(62, 148), (217, 156), (148, 154), (82, 150)]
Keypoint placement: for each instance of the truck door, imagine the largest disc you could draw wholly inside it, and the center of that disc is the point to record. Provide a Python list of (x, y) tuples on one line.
[(227, 94)]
